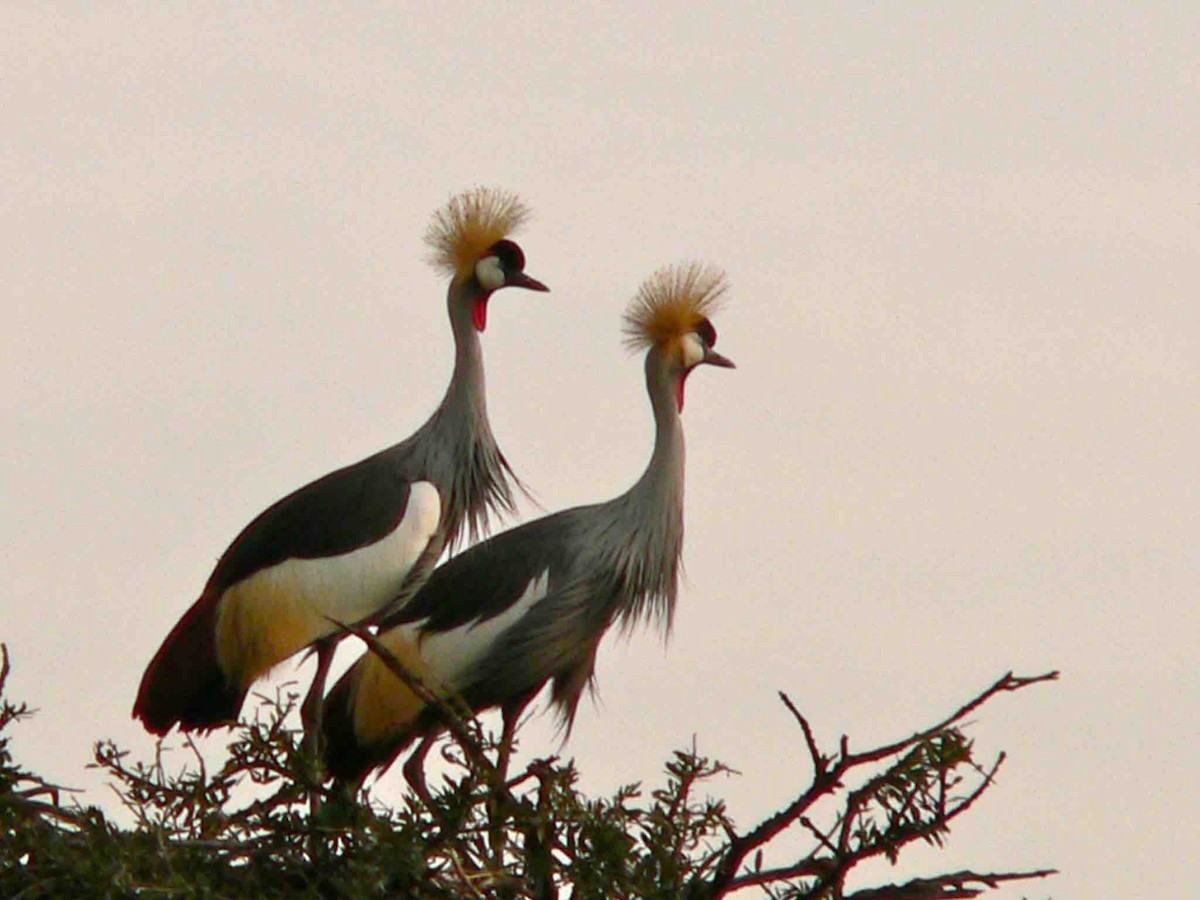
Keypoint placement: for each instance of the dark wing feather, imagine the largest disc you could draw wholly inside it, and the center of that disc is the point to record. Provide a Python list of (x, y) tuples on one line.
[(486, 579), (338, 513), (184, 683)]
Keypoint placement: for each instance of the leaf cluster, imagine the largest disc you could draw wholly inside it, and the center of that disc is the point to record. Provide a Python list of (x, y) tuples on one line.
[(263, 823)]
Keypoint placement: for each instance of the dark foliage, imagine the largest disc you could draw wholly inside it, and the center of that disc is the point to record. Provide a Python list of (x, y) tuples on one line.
[(248, 829)]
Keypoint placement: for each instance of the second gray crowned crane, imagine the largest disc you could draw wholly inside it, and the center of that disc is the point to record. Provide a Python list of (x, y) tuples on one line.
[(531, 605)]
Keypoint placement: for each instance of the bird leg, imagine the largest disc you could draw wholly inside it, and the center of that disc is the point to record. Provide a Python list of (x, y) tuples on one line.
[(310, 710), (310, 718), (511, 713), (414, 769)]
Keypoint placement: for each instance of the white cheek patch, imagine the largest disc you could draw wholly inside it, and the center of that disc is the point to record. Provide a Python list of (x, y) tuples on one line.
[(693, 350), (490, 273)]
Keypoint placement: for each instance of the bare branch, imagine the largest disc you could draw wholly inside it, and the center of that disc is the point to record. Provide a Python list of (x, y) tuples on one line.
[(822, 838), (826, 779), (1006, 684), (955, 885), (819, 762)]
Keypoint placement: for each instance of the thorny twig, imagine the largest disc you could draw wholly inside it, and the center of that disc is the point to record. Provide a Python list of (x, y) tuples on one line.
[(946, 887), (917, 796), (831, 867)]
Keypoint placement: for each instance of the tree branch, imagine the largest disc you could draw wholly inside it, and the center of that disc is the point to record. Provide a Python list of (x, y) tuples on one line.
[(1006, 684), (827, 777), (956, 885)]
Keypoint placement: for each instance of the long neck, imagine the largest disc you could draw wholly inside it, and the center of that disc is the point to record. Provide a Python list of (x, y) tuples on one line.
[(661, 485), (459, 450), (651, 512), (466, 396)]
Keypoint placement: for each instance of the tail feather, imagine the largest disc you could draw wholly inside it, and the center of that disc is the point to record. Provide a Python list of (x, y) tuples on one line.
[(184, 684)]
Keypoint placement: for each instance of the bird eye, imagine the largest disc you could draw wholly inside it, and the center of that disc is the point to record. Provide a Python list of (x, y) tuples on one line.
[(707, 332)]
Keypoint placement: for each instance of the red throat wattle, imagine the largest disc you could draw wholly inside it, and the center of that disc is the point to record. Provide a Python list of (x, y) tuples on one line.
[(679, 390), (479, 313)]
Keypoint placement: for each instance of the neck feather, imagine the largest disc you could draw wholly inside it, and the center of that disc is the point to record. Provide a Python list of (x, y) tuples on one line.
[(461, 453), (651, 512)]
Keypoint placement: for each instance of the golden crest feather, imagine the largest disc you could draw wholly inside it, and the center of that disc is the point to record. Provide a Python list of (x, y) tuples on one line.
[(466, 227), (672, 302)]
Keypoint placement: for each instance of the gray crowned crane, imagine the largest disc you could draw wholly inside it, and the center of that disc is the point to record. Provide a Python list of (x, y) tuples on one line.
[(530, 605), (361, 540)]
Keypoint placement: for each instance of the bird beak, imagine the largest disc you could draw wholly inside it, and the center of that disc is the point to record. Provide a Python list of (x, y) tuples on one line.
[(521, 280), (713, 358)]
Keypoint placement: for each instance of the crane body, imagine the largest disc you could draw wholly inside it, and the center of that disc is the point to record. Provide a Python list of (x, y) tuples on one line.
[(358, 542)]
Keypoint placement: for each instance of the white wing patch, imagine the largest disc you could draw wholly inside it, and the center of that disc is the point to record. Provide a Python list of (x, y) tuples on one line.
[(277, 611), (451, 655), (353, 586)]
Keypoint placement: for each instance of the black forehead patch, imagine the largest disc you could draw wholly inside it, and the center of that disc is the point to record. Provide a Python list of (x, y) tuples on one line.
[(707, 332), (509, 254)]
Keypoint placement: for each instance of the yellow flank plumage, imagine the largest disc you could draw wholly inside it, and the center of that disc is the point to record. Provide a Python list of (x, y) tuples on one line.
[(262, 621), (384, 705), (463, 230), (672, 302)]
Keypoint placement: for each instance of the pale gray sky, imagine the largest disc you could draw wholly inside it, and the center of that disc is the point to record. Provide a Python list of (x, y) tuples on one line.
[(961, 438)]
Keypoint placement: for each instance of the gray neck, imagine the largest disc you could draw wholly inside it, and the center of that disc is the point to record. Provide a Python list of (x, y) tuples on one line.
[(467, 393), (458, 449), (661, 485), (651, 512)]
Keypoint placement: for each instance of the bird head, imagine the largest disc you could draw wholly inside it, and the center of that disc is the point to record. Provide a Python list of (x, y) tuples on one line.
[(670, 317), (469, 239)]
